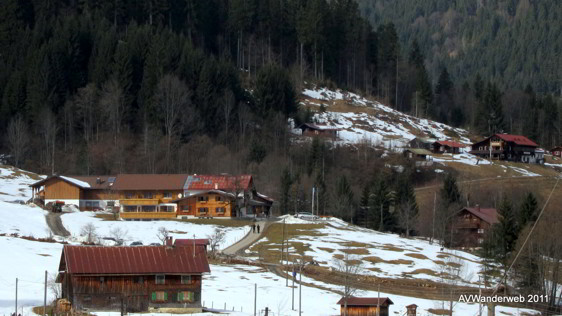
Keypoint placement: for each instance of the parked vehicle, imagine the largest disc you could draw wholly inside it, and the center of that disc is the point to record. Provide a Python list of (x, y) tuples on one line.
[(136, 243)]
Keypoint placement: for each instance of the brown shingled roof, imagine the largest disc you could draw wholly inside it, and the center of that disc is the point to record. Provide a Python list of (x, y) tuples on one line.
[(366, 301), (218, 182), (150, 181), (489, 215), (134, 260)]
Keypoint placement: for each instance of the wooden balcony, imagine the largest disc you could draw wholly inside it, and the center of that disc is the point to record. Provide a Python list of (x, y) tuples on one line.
[(148, 215), (139, 202)]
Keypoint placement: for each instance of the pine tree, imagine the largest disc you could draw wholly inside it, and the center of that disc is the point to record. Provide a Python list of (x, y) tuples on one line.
[(344, 198), (406, 205), (450, 192), (492, 110), (527, 212), (286, 182), (275, 92), (380, 200), (363, 210), (506, 230)]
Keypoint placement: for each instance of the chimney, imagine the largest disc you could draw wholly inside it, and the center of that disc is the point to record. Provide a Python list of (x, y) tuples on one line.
[(169, 241), (477, 207), (216, 186)]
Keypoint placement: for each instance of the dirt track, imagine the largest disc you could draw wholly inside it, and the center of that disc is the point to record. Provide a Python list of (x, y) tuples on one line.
[(55, 224)]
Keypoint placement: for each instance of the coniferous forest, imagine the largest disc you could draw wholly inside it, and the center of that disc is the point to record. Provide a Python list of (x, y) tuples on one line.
[(166, 86)]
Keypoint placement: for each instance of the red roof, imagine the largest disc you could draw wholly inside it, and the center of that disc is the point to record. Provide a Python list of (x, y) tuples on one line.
[(133, 260), (189, 242), (366, 301), (218, 182), (518, 139), (150, 181), (450, 143), (489, 215)]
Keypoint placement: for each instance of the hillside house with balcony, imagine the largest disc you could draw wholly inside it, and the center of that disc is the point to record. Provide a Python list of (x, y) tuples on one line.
[(211, 203), (509, 147), (140, 278), (447, 146), (471, 224)]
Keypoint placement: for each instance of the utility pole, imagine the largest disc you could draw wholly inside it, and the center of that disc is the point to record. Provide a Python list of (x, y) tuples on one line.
[(313, 201), (300, 288), (293, 288), (479, 294), (255, 297), (45, 296), (381, 224), (379, 301), (433, 225), (16, 296)]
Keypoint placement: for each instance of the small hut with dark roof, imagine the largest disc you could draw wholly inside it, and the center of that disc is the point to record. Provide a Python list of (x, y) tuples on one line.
[(363, 306)]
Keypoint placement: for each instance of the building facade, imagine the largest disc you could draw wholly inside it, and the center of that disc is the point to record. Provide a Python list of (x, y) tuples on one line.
[(365, 306), (472, 224), (509, 147), (137, 279)]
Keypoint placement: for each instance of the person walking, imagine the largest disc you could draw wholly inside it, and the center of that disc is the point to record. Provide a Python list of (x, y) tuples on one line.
[(253, 228), (258, 228)]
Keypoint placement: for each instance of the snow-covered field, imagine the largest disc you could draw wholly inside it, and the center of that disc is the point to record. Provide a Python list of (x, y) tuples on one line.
[(382, 254), (385, 127), (14, 183), (147, 232)]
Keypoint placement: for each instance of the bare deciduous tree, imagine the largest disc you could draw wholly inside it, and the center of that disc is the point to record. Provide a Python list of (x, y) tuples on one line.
[(216, 239), (452, 273), (90, 232), (120, 235), (348, 267), (172, 96), (112, 102), (49, 130), (163, 234), (86, 100), (18, 139), (227, 108), (54, 287)]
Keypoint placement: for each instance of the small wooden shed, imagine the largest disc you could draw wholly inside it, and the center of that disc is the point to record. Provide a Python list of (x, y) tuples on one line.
[(365, 306)]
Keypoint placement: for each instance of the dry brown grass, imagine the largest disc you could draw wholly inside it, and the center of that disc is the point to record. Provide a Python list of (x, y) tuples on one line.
[(391, 247), (422, 271), (106, 217), (355, 251), (338, 256), (330, 250), (355, 244), (44, 254), (438, 311), (416, 255), (375, 260)]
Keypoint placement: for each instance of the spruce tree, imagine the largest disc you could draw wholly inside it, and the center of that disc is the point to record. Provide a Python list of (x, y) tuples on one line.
[(286, 182), (450, 192), (527, 212), (506, 230)]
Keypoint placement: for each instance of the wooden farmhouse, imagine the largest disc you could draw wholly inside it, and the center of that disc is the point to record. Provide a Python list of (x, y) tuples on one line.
[(446, 146), (471, 224), (309, 129), (417, 153), (365, 306), (509, 147), (421, 142), (137, 279), (158, 196)]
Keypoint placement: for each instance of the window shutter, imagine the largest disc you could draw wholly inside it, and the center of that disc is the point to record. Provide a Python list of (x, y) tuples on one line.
[(165, 296), (191, 296), (154, 296), (180, 296)]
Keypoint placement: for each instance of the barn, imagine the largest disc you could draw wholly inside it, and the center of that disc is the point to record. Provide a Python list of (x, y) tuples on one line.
[(133, 279), (365, 306)]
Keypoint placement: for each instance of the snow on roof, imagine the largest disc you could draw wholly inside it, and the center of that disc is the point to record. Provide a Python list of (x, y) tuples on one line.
[(77, 182)]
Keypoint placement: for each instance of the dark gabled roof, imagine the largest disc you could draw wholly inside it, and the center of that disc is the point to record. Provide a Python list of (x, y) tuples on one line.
[(218, 182), (190, 242), (489, 215), (134, 260), (419, 151), (366, 301), (150, 182), (450, 143), (517, 139)]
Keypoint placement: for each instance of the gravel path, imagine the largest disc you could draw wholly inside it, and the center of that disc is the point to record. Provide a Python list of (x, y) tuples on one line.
[(247, 241), (55, 224)]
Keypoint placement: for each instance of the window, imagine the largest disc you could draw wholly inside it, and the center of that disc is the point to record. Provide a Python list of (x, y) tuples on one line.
[(96, 204), (480, 240), (186, 296), (186, 279), (140, 280), (167, 195), (166, 208), (160, 279), (203, 210), (220, 209), (219, 198), (149, 208), (148, 195), (128, 195), (159, 296), (87, 298), (203, 198), (186, 208), (130, 208), (480, 230), (88, 203), (102, 280)]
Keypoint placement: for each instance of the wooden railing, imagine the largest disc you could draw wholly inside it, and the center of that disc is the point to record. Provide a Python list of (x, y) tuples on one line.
[(148, 215), (139, 202)]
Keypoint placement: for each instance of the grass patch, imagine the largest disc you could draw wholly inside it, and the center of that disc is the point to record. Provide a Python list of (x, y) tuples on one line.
[(391, 247), (355, 251), (375, 260), (422, 271), (330, 250), (439, 311), (442, 256), (416, 255), (355, 244), (218, 222), (106, 217), (338, 256), (44, 255), (375, 270), (177, 232)]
